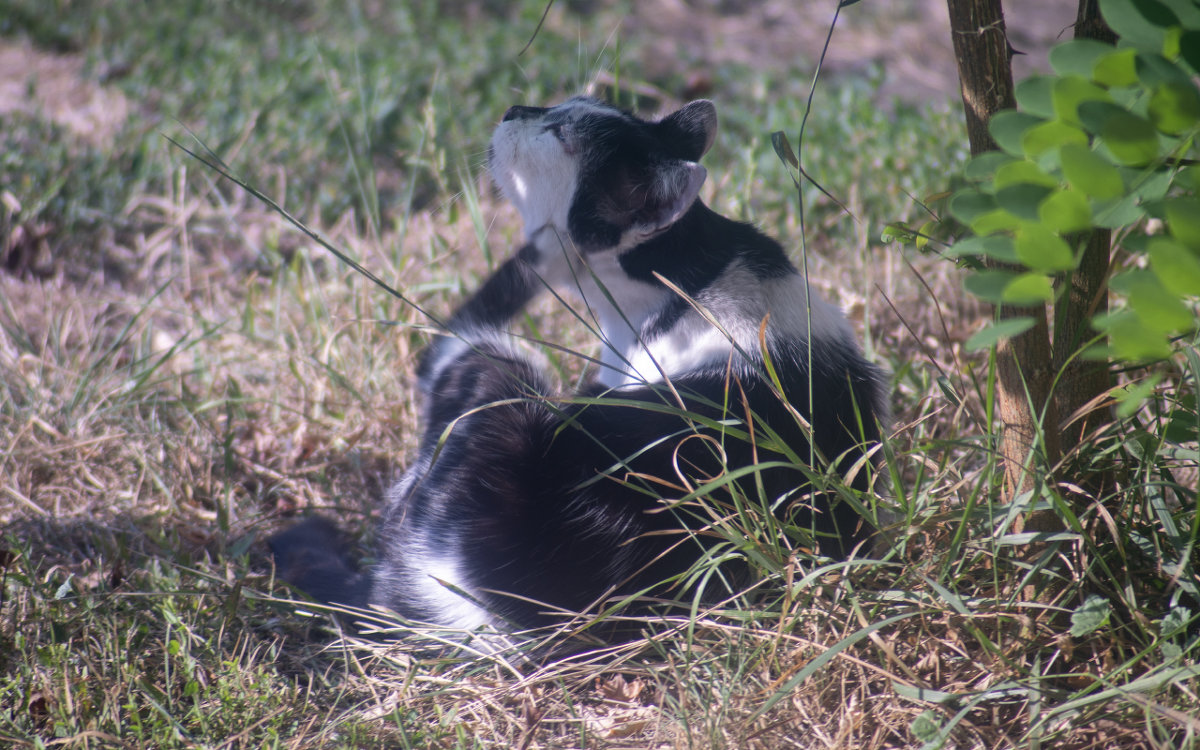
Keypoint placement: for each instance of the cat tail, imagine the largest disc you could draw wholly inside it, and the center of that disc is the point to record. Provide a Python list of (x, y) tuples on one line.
[(311, 556)]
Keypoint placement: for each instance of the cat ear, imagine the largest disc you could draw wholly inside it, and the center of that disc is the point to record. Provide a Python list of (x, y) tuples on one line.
[(634, 204), (689, 132), (674, 189)]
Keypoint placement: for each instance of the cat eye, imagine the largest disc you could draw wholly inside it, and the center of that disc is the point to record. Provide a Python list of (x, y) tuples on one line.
[(557, 129)]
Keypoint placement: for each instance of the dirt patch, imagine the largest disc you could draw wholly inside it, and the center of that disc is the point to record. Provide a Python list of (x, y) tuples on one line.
[(54, 85), (909, 40)]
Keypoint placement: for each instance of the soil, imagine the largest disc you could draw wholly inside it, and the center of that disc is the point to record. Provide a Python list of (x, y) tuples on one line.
[(909, 40), (33, 80)]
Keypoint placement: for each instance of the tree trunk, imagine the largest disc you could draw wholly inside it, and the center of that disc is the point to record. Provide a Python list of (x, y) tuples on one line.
[(1089, 24), (1024, 363), (1081, 380), (1084, 382)]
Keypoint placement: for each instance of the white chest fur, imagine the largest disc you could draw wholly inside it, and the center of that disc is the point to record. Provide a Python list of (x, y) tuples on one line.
[(723, 321)]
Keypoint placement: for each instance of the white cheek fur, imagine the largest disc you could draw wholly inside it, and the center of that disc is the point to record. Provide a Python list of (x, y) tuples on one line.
[(535, 173)]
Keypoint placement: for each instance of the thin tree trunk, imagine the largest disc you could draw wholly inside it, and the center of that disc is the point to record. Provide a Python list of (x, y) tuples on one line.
[(1089, 24), (1082, 381), (1024, 362)]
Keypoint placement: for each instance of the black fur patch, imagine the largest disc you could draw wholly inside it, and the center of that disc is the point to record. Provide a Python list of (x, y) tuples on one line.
[(694, 252)]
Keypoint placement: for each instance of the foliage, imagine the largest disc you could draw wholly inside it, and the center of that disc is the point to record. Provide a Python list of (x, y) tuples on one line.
[(1108, 141)]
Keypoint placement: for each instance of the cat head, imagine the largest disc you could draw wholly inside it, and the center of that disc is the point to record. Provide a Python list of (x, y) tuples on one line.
[(599, 176)]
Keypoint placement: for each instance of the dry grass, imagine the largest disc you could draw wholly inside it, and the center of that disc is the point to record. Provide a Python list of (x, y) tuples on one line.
[(180, 422)]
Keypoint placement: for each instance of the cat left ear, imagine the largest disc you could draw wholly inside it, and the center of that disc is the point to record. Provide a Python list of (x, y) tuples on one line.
[(673, 191), (689, 132)]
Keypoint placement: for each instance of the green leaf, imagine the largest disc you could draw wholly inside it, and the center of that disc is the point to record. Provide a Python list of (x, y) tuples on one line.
[(1130, 338), (999, 247), (897, 231), (65, 589), (1132, 140), (1182, 427), (1171, 40), (1183, 220), (1070, 92), (999, 220), (1022, 200), (1048, 135), (1090, 616), (1025, 538), (1190, 176), (1154, 70), (925, 233), (1189, 50), (783, 149), (1116, 69), (1187, 11), (1130, 398), (1028, 289), (1158, 309), (1135, 243), (1171, 652), (1089, 173), (1175, 622), (952, 396), (1175, 107), (989, 285), (1148, 187), (1118, 213), (1094, 115), (1078, 56), (1008, 128), (1034, 95), (1141, 23), (1177, 267), (925, 727), (995, 332), (1066, 211), (984, 166), (1022, 171), (969, 204)]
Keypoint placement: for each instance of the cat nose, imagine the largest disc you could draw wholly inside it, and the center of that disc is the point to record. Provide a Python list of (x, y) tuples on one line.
[(522, 113)]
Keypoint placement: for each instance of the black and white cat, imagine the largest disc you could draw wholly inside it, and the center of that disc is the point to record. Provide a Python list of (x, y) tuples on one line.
[(523, 501)]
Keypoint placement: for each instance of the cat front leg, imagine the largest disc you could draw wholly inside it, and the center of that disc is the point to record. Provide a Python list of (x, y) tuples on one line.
[(484, 316), (477, 361)]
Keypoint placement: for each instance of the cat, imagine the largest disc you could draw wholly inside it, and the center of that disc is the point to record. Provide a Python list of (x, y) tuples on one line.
[(524, 503)]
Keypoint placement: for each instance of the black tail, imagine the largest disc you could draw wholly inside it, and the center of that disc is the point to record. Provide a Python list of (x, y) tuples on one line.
[(311, 557)]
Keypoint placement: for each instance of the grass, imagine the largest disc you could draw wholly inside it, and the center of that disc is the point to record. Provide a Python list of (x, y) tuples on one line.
[(181, 370)]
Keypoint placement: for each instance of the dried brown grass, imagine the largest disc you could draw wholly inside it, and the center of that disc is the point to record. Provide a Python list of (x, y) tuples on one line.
[(194, 405), (200, 405)]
